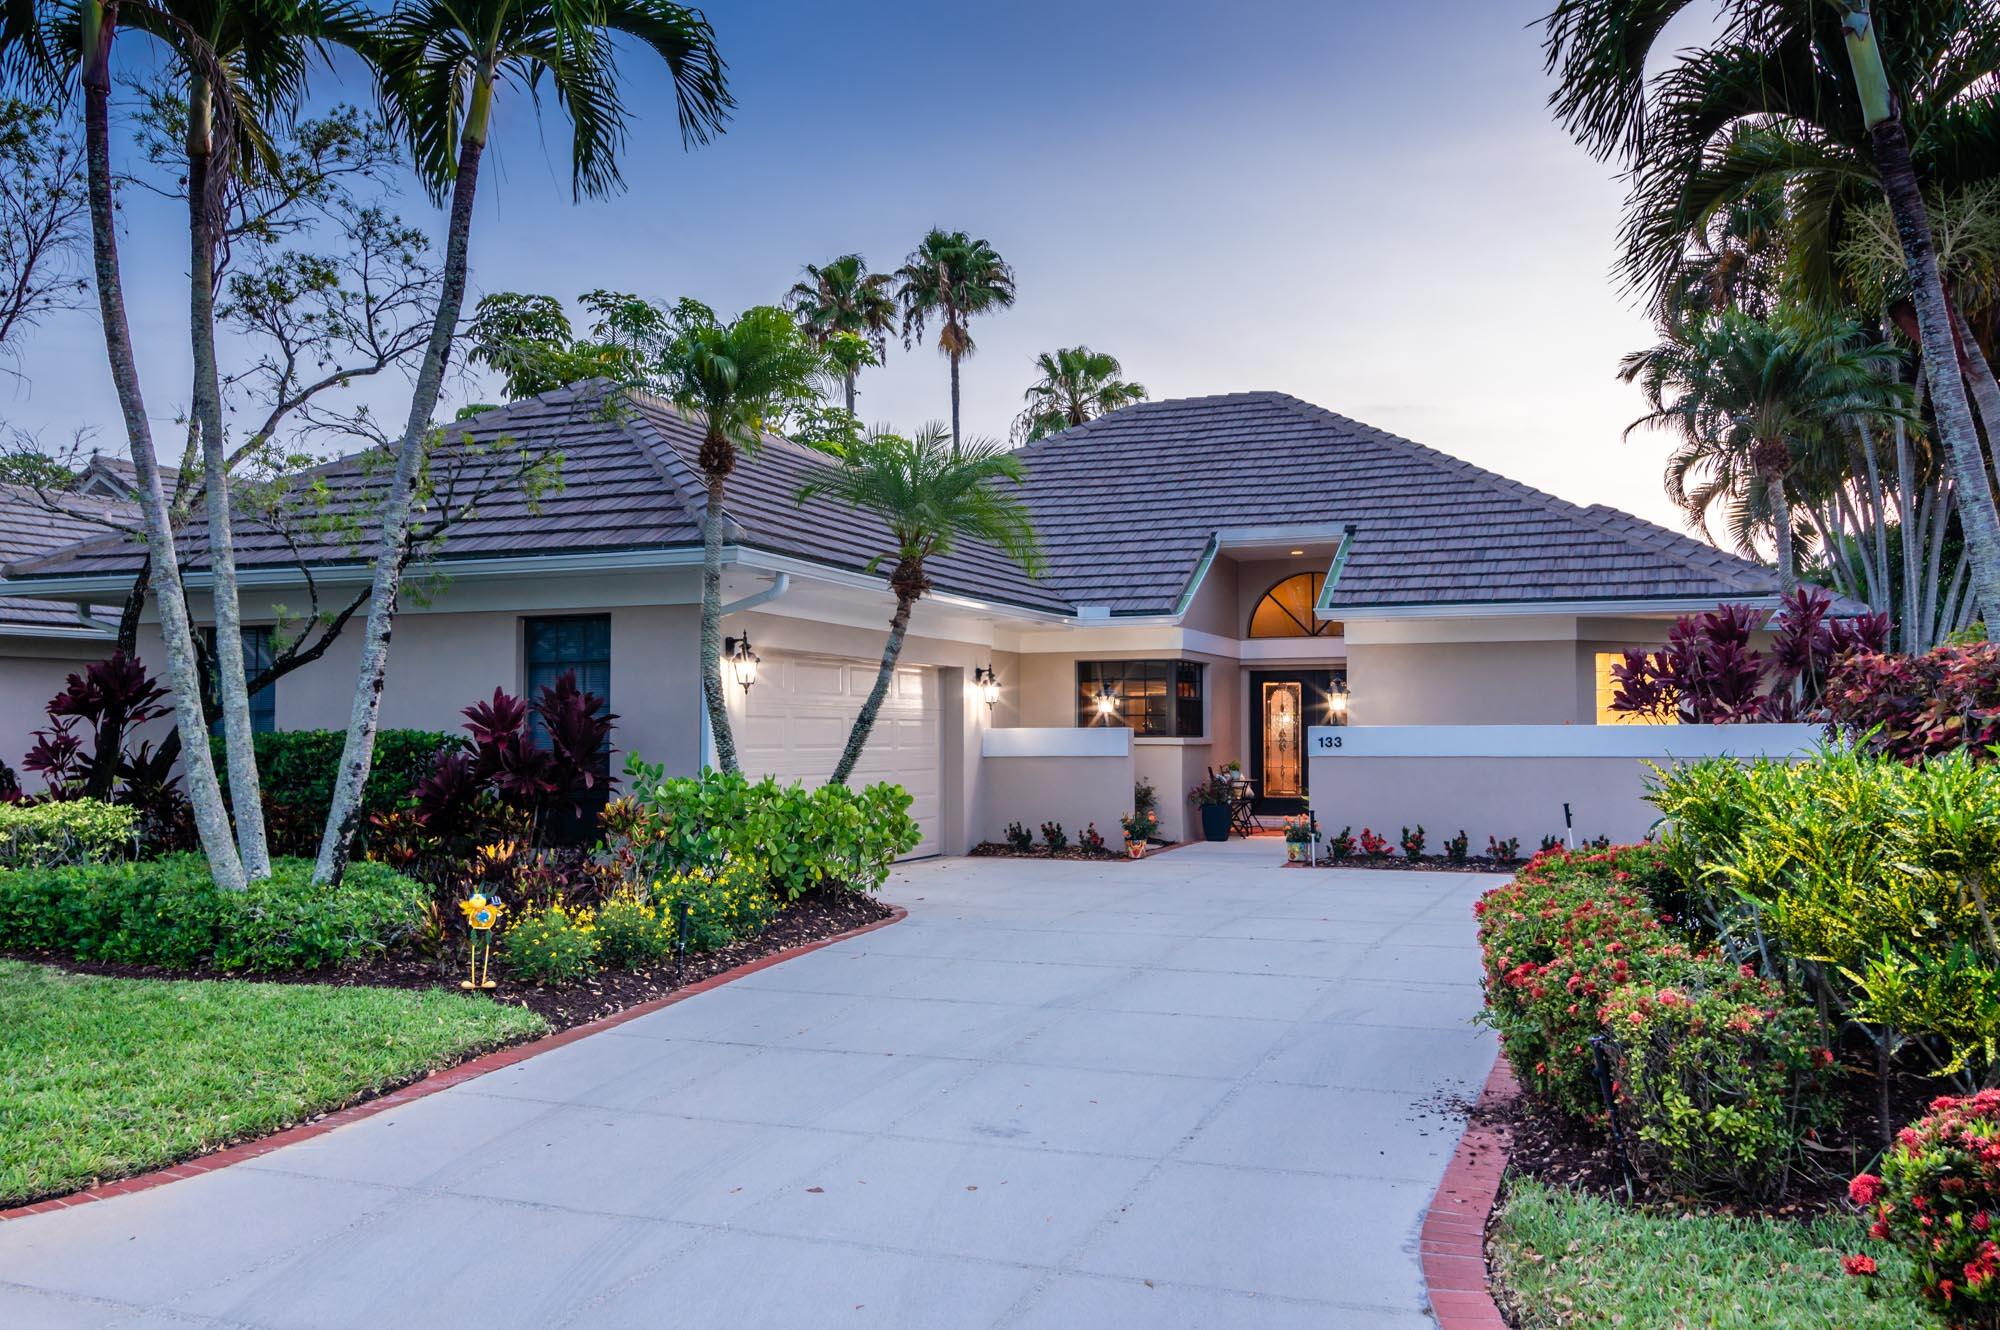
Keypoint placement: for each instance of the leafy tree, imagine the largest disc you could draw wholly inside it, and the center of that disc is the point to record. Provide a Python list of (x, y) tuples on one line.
[(1822, 72), (847, 310), (738, 378), (1748, 398), (528, 339), (950, 277), (1076, 385), (931, 492), (442, 65), (42, 218)]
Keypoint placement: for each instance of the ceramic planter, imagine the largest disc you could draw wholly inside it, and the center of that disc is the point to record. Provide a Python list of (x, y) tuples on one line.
[(1295, 851), (1215, 821), (1136, 848)]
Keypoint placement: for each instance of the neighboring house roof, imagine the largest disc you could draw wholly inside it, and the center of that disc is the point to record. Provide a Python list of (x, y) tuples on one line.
[(30, 525), (116, 478), (630, 480), (1126, 506)]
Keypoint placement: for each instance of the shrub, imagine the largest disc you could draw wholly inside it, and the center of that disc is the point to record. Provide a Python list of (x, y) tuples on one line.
[(632, 931), (1459, 848), (1412, 843), (1140, 825), (725, 905), (114, 698), (75, 831), (829, 837), (1503, 851), (1091, 839), (1343, 845), (297, 769), (1718, 1077), (547, 782), (169, 912), (1910, 707), (1938, 1199), (1019, 838), (1557, 941), (1549, 843), (551, 944), (1054, 837), (1372, 845)]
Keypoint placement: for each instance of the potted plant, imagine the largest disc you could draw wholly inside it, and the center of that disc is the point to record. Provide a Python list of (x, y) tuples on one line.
[(1139, 824), (1299, 836), (1213, 796)]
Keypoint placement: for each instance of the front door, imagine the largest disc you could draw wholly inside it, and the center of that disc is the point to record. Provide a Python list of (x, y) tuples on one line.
[(1283, 703)]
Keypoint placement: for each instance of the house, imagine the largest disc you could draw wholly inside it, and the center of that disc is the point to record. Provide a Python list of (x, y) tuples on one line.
[(1223, 573)]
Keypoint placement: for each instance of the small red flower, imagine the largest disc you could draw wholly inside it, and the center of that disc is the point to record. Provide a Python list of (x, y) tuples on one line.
[(1864, 1190), (1858, 1265)]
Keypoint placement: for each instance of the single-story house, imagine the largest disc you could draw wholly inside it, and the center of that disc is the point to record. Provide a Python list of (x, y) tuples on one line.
[(1223, 573)]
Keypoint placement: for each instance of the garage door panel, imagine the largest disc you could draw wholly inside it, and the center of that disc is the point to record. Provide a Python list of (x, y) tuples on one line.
[(799, 714)]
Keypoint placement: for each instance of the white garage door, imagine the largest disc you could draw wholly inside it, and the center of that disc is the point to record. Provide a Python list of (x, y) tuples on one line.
[(799, 712)]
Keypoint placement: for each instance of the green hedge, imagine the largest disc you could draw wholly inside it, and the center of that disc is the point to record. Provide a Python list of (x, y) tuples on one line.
[(297, 767), (71, 831), (169, 912)]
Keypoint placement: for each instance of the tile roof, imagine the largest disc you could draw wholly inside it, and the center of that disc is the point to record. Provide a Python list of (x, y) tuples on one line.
[(32, 525), (1128, 502)]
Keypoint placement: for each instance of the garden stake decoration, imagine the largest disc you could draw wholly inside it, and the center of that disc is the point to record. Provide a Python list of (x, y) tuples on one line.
[(1600, 1067), (683, 926), (480, 916)]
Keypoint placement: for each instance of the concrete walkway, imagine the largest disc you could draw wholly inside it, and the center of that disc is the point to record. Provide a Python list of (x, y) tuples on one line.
[(1199, 1091)]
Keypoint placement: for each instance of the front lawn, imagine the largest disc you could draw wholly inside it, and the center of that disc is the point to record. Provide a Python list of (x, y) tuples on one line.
[(106, 1077), (1563, 1260)]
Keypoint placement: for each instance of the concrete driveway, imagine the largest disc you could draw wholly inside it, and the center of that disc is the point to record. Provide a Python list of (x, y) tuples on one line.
[(1198, 1091)]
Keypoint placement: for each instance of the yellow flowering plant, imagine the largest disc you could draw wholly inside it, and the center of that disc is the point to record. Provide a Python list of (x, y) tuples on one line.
[(552, 944)]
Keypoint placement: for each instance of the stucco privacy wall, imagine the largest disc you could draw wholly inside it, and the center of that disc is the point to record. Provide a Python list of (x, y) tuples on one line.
[(1067, 775), (1513, 780)]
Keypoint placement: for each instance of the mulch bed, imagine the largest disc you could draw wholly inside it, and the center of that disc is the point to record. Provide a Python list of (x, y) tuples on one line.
[(1430, 863), (608, 992), (993, 849)]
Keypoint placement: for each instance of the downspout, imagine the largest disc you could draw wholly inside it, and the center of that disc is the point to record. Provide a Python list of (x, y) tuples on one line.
[(780, 584)]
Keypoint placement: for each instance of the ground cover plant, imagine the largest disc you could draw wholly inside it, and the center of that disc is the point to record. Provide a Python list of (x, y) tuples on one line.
[(1566, 1260), (73, 831), (89, 1098)]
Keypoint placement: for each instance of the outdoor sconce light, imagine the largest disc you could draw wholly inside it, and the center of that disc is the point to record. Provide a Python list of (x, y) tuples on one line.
[(988, 683), (1336, 704), (742, 660), (1107, 702)]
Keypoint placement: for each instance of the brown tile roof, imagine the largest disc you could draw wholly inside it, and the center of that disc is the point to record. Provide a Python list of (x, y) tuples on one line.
[(1128, 502), (32, 524)]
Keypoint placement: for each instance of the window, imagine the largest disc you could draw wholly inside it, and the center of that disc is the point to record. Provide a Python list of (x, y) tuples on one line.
[(258, 653), (1287, 610), (556, 646), (1149, 697), (1607, 688)]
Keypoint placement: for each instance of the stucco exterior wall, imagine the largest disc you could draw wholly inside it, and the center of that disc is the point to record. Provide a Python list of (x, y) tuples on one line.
[(1075, 791), (1465, 683), (33, 670)]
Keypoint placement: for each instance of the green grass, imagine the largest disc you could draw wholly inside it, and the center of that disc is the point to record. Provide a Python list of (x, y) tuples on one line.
[(1569, 1261), (102, 1078)]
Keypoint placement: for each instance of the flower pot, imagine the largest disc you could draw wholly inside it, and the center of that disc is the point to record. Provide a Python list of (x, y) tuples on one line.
[(1295, 851), (1215, 821), (1136, 848)]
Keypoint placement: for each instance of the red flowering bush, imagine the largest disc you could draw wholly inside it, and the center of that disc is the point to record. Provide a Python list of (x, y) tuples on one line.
[(1372, 845), (1558, 940), (1717, 1078), (1938, 1198), (1920, 706)]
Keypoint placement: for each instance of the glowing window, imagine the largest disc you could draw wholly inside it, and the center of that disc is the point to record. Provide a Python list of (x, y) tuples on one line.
[(1607, 688), (1287, 610)]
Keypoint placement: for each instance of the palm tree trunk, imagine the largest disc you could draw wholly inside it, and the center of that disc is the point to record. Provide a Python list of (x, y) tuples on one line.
[(358, 753), (211, 820), (240, 758), (711, 622), (955, 435), (1878, 566), (1966, 459), (1781, 522), (864, 723), (850, 392)]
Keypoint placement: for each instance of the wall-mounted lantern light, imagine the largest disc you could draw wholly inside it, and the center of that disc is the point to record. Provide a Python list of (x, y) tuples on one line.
[(988, 684), (1107, 702), (1336, 703), (742, 660)]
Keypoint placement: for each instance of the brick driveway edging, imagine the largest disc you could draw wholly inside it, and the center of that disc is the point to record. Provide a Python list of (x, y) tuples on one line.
[(1454, 1232), (429, 1085)]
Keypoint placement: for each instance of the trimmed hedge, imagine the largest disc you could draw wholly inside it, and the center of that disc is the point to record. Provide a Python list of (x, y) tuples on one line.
[(297, 768), (70, 831), (169, 912)]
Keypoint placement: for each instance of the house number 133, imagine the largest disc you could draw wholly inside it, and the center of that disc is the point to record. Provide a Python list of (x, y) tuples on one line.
[(1329, 740)]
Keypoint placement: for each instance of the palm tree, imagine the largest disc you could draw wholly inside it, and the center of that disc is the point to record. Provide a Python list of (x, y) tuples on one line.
[(443, 62), (931, 493), (844, 297), (1076, 385), (737, 378), (950, 277), (1818, 69), (1749, 399)]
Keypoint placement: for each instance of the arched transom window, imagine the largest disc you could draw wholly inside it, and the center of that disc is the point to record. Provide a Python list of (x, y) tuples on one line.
[(1287, 610)]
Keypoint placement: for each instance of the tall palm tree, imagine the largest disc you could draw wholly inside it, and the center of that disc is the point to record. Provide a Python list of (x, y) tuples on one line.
[(1823, 70), (241, 64), (443, 63), (931, 492), (737, 379), (1076, 385), (1748, 399), (844, 297), (950, 277)]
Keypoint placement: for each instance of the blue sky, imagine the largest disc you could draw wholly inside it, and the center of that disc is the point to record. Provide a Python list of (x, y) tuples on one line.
[(1362, 204)]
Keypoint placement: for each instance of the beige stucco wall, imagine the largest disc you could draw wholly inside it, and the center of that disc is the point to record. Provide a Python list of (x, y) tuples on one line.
[(1465, 683), (1483, 796), (1075, 791), (33, 670)]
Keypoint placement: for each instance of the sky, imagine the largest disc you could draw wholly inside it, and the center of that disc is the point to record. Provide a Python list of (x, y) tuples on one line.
[(1365, 205)]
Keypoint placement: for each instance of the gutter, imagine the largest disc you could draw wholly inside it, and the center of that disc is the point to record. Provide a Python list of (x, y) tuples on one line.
[(780, 584), (1501, 609)]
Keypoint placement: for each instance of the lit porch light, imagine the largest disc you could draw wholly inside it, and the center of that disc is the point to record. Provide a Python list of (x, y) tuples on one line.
[(1336, 704), (1107, 702), (742, 660), (988, 684)]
